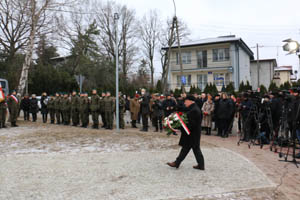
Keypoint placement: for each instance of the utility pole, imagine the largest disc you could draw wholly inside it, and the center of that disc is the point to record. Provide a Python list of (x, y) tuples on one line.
[(116, 18), (258, 65), (179, 52)]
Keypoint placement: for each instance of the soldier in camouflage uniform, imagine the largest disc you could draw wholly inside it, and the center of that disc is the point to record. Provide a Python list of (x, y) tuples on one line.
[(122, 110), (84, 110), (95, 104), (109, 108), (75, 108), (57, 108), (51, 108), (13, 107), (102, 112), (61, 108), (66, 109), (3, 109)]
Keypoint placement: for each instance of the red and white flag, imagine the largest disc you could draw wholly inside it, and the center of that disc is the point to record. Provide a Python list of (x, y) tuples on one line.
[(14, 98), (2, 96)]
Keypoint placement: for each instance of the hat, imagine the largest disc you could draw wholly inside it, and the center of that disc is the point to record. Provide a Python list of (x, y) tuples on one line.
[(190, 97)]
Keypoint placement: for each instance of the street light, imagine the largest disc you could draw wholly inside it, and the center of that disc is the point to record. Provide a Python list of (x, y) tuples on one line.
[(292, 46), (116, 18)]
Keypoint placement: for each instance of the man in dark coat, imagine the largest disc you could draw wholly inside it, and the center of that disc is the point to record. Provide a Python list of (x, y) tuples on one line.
[(169, 105), (225, 110), (191, 141), (44, 108), (145, 109), (13, 108), (157, 113), (25, 106), (34, 108)]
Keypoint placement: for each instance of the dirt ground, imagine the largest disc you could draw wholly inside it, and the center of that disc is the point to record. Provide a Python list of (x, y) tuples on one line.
[(38, 142)]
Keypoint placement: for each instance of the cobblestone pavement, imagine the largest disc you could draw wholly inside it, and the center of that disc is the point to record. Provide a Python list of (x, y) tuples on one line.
[(42, 161)]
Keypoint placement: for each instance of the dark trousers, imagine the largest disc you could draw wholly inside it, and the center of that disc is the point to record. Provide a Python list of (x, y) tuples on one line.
[(103, 119), (44, 115), (34, 117), (26, 115), (197, 153), (145, 121), (223, 127), (157, 121)]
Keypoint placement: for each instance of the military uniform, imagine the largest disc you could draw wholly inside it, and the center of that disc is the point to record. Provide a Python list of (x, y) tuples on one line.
[(84, 111), (3, 108), (51, 109), (95, 104), (75, 109), (57, 109), (122, 103), (13, 107), (66, 110), (109, 110), (102, 112)]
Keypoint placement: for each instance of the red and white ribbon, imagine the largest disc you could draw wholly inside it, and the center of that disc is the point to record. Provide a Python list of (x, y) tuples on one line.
[(14, 98), (183, 124), (169, 125)]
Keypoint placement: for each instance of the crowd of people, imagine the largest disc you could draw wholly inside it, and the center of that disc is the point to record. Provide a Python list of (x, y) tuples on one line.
[(217, 112)]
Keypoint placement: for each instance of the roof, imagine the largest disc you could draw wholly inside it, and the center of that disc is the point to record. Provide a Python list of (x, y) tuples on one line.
[(265, 60), (218, 40), (284, 68)]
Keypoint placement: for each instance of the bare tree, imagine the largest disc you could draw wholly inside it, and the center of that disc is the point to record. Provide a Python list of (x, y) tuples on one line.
[(150, 30), (39, 12), (127, 33), (168, 38), (14, 26)]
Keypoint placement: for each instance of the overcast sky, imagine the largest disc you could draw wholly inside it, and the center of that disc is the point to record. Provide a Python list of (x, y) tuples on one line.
[(266, 22)]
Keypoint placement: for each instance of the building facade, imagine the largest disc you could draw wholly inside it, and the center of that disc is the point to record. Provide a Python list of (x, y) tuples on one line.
[(264, 74), (283, 74), (215, 60)]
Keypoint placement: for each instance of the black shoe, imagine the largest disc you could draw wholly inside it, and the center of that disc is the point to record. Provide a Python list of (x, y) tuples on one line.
[(198, 167)]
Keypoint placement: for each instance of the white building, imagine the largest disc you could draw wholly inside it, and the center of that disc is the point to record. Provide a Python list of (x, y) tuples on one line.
[(284, 74), (264, 73), (214, 60)]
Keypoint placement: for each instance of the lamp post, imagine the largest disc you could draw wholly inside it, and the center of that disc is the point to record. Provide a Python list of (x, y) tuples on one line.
[(116, 18)]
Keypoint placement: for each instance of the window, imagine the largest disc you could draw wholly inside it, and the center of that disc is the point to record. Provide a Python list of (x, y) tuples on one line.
[(219, 79), (221, 54), (188, 79), (185, 56), (202, 59), (202, 81)]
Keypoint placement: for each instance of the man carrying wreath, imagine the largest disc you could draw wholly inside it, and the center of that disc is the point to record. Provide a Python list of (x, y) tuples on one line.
[(191, 141)]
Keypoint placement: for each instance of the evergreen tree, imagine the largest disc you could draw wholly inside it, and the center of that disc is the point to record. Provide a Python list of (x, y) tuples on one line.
[(230, 88), (273, 87), (263, 89)]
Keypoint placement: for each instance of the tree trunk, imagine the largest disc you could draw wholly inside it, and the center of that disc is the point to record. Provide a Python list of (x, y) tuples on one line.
[(28, 59)]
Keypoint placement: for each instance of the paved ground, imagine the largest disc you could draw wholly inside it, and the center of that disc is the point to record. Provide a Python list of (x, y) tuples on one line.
[(39, 161)]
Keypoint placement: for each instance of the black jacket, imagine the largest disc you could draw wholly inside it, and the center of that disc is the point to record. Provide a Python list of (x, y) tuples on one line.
[(225, 109), (34, 108), (157, 108), (25, 104), (194, 125), (171, 104), (145, 107), (44, 102)]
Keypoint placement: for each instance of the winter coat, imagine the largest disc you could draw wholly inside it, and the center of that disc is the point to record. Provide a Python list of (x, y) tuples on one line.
[(34, 108), (145, 105), (44, 103), (169, 106), (134, 108), (207, 110), (194, 125), (157, 109), (225, 109), (25, 104)]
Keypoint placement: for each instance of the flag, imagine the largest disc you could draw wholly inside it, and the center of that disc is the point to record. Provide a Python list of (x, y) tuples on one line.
[(2, 96)]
